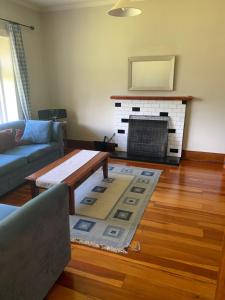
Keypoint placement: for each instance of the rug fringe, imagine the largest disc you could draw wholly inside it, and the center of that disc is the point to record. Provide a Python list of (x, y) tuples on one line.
[(103, 247)]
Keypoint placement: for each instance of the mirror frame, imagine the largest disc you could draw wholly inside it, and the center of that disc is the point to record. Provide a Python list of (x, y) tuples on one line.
[(169, 87)]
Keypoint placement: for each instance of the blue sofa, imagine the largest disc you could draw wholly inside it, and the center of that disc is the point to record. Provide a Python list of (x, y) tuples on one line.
[(34, 245), (21, 161)]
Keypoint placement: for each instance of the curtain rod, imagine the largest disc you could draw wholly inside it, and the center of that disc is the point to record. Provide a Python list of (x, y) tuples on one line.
[(31, 27)]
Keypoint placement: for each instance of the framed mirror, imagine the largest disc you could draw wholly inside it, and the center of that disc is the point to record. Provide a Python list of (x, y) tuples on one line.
[(151, 73)]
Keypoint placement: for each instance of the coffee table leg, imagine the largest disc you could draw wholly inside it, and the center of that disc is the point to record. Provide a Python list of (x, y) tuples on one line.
[(105, 168), (34, 189), (71, 201)]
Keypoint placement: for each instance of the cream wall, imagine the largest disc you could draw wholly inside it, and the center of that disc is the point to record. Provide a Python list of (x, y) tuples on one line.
[(33, 48), (86, 55)]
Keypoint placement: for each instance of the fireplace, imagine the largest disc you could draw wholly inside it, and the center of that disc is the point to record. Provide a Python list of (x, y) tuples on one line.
[(149, 128), (147, 136)]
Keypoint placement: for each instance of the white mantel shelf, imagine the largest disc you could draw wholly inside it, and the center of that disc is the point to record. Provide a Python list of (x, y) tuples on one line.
[(154, 98)]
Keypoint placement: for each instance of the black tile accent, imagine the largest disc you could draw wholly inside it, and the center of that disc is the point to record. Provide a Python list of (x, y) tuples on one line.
[(164, 114), (174, 150), (121, 131), (136, 109), (117, 104), (171, 130), (124, 120)]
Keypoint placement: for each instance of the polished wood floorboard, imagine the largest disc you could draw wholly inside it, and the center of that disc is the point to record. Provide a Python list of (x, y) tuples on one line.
[(180, 238)]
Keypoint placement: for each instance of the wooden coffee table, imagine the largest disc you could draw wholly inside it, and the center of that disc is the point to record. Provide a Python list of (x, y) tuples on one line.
[(75, 179)]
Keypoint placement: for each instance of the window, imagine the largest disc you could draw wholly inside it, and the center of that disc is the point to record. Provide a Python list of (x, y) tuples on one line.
[(8, 99)]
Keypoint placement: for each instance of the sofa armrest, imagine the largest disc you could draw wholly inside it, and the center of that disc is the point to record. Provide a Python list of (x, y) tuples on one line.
[(57, 135), (34, 246)]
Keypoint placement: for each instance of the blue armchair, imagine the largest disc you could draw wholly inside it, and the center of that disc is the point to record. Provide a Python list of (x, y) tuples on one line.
[(34, 245)]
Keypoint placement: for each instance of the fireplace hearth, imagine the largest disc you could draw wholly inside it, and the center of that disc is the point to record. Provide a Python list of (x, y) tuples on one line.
[(168, 160)]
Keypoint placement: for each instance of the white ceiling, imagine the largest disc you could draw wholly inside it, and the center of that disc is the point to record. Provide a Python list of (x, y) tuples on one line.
[(51, 5), (47, 3), (62, 4)]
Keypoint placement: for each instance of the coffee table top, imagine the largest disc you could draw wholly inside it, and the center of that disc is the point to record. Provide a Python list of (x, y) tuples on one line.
[(79, 174)]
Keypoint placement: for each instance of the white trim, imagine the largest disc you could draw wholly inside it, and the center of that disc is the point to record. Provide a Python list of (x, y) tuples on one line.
[(78, 4), (28, 5), (60, 7)]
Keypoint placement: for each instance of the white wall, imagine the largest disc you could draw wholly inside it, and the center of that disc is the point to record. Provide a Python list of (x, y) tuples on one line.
[(87, 52), (33, 48)]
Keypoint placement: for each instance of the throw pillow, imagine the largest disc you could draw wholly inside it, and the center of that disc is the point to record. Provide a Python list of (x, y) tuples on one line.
[(6, 140), (37, 132), (18, 135)]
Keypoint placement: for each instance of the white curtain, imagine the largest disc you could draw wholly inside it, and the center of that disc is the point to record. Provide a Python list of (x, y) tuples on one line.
[(3, 110), (20, 69), (3, 107), (14, 83)]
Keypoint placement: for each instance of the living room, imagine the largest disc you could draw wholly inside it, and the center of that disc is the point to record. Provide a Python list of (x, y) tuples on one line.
[(78, 59)]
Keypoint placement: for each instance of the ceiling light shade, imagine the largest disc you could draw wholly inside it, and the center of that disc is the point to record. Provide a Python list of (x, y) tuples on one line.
[(124, 8)]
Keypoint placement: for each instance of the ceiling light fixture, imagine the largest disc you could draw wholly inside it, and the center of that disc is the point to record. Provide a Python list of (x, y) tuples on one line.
[(124, 8)]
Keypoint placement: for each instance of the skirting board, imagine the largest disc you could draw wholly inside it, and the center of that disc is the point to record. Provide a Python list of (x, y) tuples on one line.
[(186, 154), (204, 156), (88, 145)]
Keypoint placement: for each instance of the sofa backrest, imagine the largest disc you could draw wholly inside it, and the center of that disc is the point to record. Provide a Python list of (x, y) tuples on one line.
[(34, 246), (56, 136), (13, 125)]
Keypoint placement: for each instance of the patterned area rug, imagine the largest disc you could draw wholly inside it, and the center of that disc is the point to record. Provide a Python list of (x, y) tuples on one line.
[(108, 211)]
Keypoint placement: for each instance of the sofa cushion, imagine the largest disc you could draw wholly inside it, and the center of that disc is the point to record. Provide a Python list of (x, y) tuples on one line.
[(9, 163), (37, 132), (6, 140), (32, 152), (6, 210)]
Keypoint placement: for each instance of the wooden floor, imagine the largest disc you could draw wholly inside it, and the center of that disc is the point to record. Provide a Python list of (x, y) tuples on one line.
[(180, 236)]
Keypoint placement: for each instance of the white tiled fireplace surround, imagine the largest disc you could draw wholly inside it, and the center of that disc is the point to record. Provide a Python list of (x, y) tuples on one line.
[(174, 109)]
